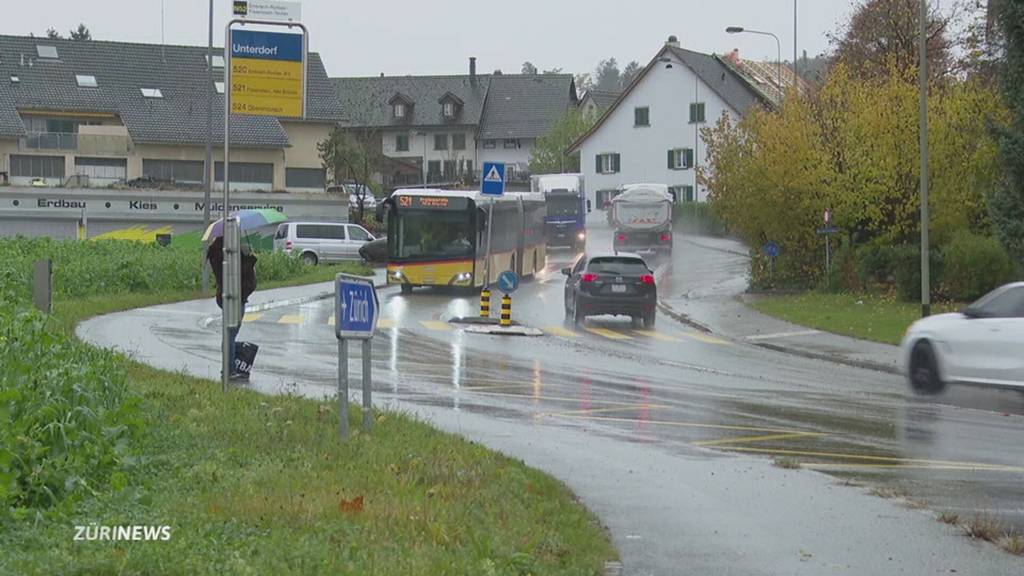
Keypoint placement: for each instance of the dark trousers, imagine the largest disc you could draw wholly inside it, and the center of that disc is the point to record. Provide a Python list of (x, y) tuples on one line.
[(232, 338)]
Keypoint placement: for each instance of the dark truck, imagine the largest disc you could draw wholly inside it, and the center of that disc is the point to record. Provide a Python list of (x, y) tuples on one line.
[(566, 202), (642, 219)]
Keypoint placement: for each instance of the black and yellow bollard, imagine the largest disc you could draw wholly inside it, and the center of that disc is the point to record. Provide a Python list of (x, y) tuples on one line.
[(485, 303), (506, 310)]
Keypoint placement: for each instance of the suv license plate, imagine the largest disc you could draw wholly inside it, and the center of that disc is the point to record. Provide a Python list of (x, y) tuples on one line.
[(618, 287)]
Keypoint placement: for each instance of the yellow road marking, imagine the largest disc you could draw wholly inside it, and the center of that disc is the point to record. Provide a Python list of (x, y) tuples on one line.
[(705, 338), (893, 459), (435, 325), (609, 409), (657, 335), (290, 319), (608, 333), (690, 424), (763, 438), (252, 317), (560, 331), (385, 323), (551, 398)]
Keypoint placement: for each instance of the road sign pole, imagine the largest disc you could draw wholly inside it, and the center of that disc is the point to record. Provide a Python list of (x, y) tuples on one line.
[(487, 261), (367, 387), (343, 388)]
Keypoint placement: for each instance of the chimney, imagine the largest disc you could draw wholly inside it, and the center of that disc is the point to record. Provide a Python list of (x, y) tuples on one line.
[(673, 41), (472, 67)]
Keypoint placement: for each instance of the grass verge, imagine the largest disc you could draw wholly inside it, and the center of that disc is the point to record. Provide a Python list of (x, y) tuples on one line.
[(859, 316), (250, 484)]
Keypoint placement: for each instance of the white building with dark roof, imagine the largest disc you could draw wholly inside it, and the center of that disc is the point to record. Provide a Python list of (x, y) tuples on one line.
[(437, 129), (95, 112), (651, 132)]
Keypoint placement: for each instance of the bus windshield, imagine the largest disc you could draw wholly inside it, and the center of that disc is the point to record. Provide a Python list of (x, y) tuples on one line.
[(563, 205), (433, 234)]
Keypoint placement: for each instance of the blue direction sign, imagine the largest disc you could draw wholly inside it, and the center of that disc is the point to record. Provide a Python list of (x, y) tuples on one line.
[(355, 307), (508, 281), (771, 249), (493, 181)]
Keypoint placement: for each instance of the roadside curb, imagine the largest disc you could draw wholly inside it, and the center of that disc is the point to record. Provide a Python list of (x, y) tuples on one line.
[(716, 248), (680, 317)]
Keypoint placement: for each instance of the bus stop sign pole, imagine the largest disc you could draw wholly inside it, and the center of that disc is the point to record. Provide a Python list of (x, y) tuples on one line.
[(491, 184)]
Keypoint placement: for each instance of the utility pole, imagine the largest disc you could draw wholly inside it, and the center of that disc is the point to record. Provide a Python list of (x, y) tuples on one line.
[(922, 74), (794, 44), (209, 147)]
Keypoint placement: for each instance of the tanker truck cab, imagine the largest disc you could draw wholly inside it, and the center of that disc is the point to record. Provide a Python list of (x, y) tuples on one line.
[(642, 219), (566, 203)]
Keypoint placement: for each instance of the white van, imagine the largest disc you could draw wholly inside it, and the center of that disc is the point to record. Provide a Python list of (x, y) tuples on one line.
[(316, 242)]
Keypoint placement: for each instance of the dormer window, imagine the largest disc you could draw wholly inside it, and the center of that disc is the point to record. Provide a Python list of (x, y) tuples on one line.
[(399, 109), (450, 105)]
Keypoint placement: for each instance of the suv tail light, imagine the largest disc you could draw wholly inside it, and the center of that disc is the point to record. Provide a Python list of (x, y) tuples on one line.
[(588, 277), (647, 279), (665, 236), (621, 237), (288, 245)]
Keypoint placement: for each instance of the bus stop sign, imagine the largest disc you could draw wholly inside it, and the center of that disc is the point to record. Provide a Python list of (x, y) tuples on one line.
[(493, 181), (355, 307)]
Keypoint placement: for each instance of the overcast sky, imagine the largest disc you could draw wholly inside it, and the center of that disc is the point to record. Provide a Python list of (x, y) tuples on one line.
[(366, 38)]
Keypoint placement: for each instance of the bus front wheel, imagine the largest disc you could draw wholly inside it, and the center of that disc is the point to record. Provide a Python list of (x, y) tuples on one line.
[(406, 288)]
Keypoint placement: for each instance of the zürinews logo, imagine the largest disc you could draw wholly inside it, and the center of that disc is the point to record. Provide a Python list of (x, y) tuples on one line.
[(266, 45)]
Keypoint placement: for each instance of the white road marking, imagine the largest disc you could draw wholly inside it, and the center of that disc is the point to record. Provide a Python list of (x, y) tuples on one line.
[(784, 335)]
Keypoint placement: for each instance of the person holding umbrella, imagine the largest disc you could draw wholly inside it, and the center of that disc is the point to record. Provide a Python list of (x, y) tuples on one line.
[(248, 220)]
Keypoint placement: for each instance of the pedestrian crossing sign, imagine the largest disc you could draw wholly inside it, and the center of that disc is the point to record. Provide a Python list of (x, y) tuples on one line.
[(493, 181)]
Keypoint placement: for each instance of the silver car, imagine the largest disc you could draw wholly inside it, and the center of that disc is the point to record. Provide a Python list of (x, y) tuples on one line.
[(317, 242)]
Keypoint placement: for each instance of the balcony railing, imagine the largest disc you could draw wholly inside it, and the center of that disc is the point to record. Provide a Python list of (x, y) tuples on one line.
[(83, 143)]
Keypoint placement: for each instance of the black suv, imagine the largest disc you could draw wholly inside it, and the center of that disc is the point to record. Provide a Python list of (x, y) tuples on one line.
[(619, 284)]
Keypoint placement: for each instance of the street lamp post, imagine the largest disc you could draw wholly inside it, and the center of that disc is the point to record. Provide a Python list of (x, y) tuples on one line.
[(922, 77), (778, 46)]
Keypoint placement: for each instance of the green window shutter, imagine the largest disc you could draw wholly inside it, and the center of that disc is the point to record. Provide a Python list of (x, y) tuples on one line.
[(671, 164), (693, 113), (688, 160), (615, 162), (597, 163)]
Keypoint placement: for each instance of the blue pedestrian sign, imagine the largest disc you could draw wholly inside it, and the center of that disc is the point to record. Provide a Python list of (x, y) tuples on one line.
[(355, 307), (508, 281), (771, 249), (493, 181)]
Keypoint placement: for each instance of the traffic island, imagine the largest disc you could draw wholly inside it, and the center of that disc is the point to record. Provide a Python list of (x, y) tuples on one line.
[(514, 330)]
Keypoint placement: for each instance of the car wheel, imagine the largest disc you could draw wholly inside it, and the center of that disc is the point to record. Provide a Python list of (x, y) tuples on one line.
[(309, 258), (406, 288), (924, 370), (649, 320)]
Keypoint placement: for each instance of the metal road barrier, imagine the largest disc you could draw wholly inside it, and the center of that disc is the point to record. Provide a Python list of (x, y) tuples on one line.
[(506, 310), (485, 303)]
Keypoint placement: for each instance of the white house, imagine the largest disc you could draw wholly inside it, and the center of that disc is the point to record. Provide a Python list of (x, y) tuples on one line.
[(651, 133)]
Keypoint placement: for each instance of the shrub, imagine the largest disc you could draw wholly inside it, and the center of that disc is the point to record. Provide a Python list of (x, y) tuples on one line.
[(698, 218), (843, 274), (906, 268), (875, 263), (974, 265), (67, 419)]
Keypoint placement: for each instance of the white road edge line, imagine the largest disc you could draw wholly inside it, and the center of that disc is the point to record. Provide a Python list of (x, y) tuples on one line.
[(783, 335)]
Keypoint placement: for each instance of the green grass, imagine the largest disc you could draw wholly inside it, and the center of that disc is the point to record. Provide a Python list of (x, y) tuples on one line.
[(860, 316), (251, 484)]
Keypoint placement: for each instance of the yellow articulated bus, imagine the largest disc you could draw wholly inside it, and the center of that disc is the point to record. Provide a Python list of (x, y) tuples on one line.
[(439, 237)]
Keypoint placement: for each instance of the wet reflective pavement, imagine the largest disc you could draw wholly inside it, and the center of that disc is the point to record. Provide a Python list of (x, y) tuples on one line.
[(671, 389)]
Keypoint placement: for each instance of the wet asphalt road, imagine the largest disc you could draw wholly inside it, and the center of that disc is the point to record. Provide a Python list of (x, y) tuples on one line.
[(686, 393)]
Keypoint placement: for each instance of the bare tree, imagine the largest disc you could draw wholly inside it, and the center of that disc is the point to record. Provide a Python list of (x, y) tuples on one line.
[(80, 33), (352, 157), (528, 68)]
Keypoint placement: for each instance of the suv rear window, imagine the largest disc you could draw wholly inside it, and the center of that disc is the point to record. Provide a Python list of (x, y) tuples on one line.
[(282, 232), (617, 265)]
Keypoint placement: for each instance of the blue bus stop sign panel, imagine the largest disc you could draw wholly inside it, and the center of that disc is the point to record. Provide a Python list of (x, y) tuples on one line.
[(508, 281), (355, 307), (492, 183), (771, 249)]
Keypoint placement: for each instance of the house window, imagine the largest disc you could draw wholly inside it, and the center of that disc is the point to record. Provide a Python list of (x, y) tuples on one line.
[(458, 141), (151, 93), (440, 141), (185, 171), (37, 166), (449, 169), (313, 178), (217, 60), (449, 109), (510, 172), (642, 116), (401, 142), (108, 168), (248, 172), (490, 144), (680, 159), (219, 86), (697, 113), (682, 193), (433, 170), (607, 163), (399, 110), (511, 143)]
